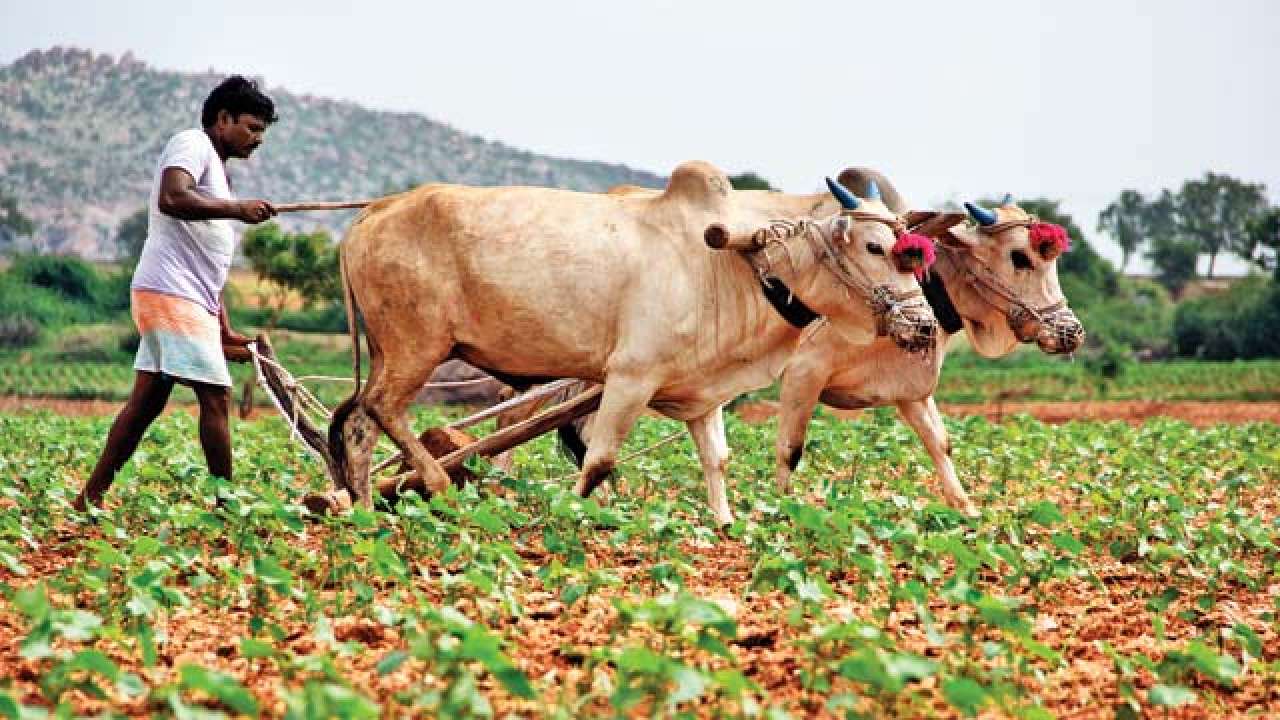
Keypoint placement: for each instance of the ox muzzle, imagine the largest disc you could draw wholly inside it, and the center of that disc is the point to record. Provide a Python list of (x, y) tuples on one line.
[(906, 318), (1056, 331)]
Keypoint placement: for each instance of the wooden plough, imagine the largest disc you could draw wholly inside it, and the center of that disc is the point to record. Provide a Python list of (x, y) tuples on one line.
[(448, 444)]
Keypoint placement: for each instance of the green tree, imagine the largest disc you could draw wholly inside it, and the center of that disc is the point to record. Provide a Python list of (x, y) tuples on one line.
[(1264, 240), (13, 224), (1171, 254), (1215, 211), (130, 236), (749, 181), (304, 265), (1161, 221), (1125, 221), (1174, 259)]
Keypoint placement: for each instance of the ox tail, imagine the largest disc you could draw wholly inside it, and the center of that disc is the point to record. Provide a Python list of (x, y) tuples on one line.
[(337, 445)]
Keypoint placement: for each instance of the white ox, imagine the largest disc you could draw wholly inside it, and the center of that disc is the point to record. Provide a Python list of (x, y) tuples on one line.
[(990, 280), (535, 283), (996, 280)]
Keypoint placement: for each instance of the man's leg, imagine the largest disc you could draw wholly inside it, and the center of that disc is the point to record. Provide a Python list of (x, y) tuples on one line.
[(147, 399), (215, 428)]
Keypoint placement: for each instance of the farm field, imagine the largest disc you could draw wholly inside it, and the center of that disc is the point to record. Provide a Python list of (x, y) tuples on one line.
[(1116, 571)]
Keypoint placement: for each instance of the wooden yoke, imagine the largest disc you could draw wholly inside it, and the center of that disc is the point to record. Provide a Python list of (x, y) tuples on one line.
[(931, 223)]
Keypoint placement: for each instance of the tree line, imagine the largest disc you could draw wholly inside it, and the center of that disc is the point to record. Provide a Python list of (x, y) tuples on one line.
[(1210, 216)]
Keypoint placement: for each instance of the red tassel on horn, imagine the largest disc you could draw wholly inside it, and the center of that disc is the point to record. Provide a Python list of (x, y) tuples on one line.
[(1049, 240), (915, 253)]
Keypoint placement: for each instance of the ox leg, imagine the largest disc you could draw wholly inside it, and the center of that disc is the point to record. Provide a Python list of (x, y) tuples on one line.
[(387, 401), (924, 418), (359, 436), (713, 451), (623, 400), (801, 387)]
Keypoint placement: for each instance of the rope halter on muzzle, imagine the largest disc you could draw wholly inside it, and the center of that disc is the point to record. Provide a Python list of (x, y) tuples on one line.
[(904, 316)]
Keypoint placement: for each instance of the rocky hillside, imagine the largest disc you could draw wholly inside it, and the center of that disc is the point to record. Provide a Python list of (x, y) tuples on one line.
[(80, 131)]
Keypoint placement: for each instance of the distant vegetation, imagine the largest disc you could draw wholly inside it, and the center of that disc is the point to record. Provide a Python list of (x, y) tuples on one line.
[(1208, 216), (749, 181), (80, 133)]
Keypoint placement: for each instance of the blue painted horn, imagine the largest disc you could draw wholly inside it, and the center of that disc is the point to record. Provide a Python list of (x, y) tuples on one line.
[(873, 190), (1008, 199), (846, 198), (983, 216)]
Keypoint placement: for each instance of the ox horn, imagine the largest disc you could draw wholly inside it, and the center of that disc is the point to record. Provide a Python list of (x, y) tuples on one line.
[(719, 237), (1008, 200), (846, 198), (873, 190), (983, 216)]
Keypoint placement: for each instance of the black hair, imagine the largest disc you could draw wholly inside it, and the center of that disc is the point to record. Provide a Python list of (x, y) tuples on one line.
[(237, 95)]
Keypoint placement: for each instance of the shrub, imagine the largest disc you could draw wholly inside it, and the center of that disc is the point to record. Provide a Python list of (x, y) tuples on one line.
[(129, 342), (45, 307), (1138, 318), (72, 278), (19, 332), (1238, 324), (81, 291), (330, 318)]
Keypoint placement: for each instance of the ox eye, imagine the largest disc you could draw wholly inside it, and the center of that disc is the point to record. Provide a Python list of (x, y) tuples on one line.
[(1020, 260), (874, 248)]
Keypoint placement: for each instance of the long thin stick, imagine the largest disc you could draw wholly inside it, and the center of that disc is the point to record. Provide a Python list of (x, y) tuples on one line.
[(300, 206)]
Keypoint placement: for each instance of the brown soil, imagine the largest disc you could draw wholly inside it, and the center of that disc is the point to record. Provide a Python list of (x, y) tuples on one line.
[(1135, 412), (551, 641), (1200, 414), (12, 404)]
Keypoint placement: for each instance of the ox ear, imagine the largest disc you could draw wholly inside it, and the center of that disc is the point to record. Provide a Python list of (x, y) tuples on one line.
[(840, 229), (960, 237), (931, 223)]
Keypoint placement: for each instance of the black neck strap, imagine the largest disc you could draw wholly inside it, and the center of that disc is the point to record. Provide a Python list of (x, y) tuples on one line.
[(940, 300), (787, 304)]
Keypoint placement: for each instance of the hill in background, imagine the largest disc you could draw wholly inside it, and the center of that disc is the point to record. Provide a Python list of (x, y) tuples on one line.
[(80, 132)]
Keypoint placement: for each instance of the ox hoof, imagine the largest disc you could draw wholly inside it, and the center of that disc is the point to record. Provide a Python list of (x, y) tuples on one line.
[(585, 486), (327, 503)]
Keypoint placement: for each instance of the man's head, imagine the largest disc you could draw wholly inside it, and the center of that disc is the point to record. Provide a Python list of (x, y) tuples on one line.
[(236, 114)]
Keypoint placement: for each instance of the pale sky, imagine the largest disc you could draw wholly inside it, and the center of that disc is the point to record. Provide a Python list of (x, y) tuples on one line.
[(952, 100)]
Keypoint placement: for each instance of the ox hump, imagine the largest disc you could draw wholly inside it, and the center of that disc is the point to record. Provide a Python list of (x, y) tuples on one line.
[(698, 183)]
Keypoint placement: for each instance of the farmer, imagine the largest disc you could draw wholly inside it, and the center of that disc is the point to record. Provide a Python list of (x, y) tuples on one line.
[(176, 293)]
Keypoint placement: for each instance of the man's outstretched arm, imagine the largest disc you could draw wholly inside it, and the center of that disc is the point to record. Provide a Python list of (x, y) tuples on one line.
[(179, 199)]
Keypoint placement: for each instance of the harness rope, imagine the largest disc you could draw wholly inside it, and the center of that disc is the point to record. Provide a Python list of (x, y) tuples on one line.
[(778, 233), (987, 282)]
